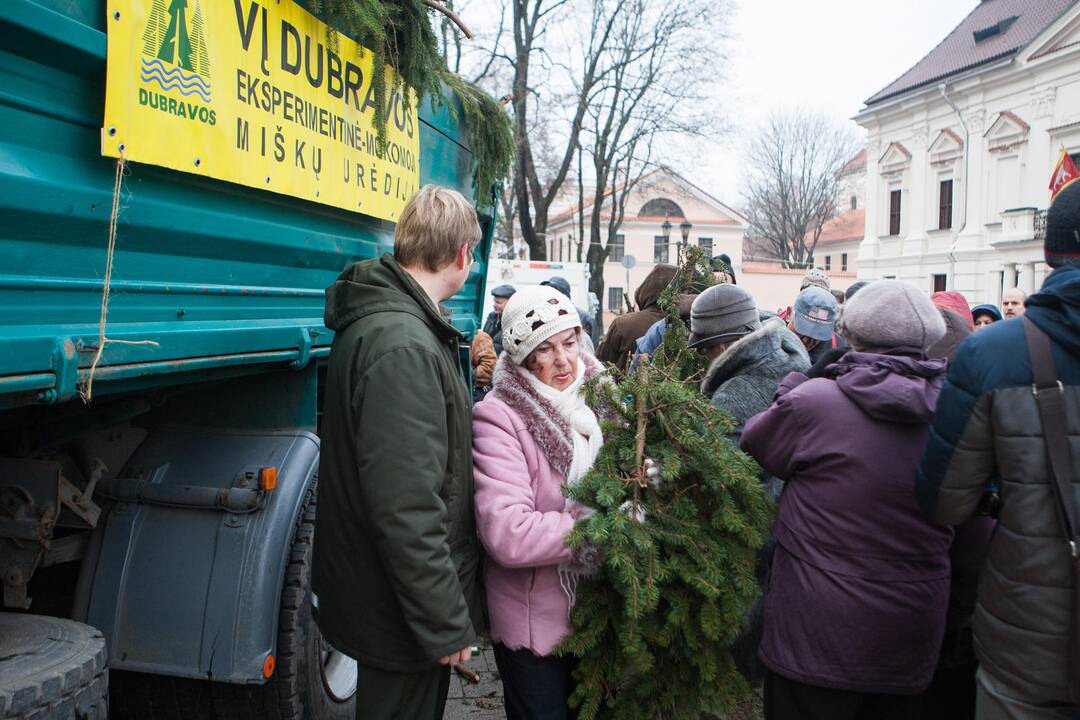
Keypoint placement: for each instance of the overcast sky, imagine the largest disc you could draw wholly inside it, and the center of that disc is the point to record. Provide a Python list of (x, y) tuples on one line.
[(827, 55)]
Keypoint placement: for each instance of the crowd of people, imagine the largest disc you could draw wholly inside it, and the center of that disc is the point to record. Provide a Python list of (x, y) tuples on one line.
[(920, 565)]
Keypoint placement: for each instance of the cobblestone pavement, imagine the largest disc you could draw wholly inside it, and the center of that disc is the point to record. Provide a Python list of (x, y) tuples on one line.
[(484, 701), (467, 701)]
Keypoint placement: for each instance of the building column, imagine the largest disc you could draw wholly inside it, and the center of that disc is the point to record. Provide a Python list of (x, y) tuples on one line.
[(972, 236), (994, 282), (1009, 276), (914, 233), (1027, 278)]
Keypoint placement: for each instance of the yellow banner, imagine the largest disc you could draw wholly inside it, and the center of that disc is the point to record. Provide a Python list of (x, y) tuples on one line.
[(251, 92)]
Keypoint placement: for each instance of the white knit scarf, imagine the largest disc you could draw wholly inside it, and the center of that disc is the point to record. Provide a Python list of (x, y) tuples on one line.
[(587, 438), (584, 427)]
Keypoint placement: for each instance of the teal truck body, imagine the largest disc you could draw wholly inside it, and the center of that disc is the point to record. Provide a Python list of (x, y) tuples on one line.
[(147, 512)]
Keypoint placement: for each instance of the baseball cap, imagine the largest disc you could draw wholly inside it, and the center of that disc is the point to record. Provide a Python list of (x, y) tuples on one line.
[(815, 312)]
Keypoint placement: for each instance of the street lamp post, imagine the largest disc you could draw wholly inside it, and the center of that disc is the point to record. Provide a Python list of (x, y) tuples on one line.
[(665, 230), (684, 228)]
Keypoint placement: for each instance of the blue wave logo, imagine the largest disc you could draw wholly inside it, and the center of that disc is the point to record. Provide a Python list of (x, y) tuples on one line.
[(174, 78)]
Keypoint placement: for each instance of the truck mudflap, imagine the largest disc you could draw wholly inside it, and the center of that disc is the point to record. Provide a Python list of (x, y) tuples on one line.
[(191, 551)]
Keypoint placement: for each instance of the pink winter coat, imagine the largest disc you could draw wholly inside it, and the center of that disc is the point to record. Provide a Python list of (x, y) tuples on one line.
[(521, 455)]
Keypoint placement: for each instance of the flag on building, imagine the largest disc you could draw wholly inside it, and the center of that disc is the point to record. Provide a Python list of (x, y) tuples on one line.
[(1065, 174)]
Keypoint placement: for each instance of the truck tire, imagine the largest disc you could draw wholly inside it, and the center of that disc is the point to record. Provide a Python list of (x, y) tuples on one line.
[(298, 689), (51, 669)]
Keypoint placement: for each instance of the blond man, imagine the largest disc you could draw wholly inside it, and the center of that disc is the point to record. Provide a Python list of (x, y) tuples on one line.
[(395, 557)]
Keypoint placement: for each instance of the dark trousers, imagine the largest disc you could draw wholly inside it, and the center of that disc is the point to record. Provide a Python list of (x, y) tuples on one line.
[(384, 695), (951, 695), (534, 688), (786, 699)]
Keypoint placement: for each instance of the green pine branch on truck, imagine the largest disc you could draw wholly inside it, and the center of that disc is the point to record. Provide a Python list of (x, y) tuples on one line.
[(399, 33)]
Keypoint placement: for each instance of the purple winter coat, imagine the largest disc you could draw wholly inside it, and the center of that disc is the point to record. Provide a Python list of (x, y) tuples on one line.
[(860, 581)]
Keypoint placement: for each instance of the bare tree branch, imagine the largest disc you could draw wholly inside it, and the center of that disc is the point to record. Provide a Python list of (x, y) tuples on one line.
[(794, 173)]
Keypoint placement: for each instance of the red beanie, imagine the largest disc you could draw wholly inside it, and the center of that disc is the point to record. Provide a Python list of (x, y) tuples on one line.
[(954, 302)]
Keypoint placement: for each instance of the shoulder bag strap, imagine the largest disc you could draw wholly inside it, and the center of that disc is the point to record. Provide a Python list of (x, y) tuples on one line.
[(1050, 397)]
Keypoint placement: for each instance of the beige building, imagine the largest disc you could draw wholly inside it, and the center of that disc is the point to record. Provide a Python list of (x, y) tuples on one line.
[(662, 196), (961, 147)]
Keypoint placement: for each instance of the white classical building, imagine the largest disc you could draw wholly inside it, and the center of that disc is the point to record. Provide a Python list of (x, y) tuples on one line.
[(960, 149), (661, 196)]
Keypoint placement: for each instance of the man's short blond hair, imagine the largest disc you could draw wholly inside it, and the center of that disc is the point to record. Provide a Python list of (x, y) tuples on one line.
[(434, 225)]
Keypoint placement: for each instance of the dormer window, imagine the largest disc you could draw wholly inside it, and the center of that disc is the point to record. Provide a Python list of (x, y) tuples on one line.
[(998, 28)]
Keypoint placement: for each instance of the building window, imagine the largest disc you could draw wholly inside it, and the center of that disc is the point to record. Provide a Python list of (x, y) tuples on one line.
[(660, 249), (894, 212), (614, 299), (706, 245), (617, 249), (945, 203), (828, 262), (854, 202), (939, 282), (843, 262)]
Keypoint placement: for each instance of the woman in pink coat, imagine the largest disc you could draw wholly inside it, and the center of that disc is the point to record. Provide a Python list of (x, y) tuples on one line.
[(531, 435)]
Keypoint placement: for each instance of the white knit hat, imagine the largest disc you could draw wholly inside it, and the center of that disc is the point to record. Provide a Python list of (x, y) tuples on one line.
[(533, 315)]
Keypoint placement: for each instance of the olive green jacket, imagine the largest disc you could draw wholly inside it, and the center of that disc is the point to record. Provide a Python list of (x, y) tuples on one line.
[(396, 555)]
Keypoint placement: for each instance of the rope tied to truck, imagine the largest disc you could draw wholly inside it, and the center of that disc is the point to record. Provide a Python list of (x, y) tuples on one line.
[(87, 391)]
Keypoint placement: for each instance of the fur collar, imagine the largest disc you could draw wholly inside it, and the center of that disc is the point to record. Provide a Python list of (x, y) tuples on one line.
[(546, 424), (772, 338)]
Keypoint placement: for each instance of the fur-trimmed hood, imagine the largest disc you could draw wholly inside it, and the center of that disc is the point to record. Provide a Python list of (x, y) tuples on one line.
[(546, 425), (772, 343)]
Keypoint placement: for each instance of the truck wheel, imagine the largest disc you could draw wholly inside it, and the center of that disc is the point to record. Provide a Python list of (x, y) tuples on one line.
[(311, 681), (51, 668)]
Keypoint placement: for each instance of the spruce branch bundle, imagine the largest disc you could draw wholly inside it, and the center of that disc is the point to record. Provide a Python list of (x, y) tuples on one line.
[(650, 631), (399, 34)]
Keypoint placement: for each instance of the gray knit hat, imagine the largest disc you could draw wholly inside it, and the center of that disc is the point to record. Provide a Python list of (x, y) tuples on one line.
[(722, 313), (890, 313)]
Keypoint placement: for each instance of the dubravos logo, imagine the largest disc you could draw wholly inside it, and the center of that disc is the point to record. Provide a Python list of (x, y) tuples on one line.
[(175, 61)]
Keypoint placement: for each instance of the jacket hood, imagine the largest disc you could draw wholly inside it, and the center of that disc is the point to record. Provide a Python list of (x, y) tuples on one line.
[(1056, 307), (773, 342), (956, 331), (900, 385), (380, 285), (648, 293)]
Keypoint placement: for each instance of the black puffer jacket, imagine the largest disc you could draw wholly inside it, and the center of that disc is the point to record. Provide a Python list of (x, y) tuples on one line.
[(987, 430)]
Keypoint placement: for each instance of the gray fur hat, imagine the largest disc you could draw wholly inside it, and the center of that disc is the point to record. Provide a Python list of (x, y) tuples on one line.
[(890, 313), (721, 313)]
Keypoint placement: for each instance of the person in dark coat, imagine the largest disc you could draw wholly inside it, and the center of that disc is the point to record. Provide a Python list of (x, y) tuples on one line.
[(748, 357), (396, 556), (493, 323), (951, 695), (855, 609), (985, 315), (988, 435), (619, 342)]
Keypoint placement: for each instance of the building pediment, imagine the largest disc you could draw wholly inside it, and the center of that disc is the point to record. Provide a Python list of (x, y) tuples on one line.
[(896, 158), (1007, 131), (946, 147), (1062, 35)]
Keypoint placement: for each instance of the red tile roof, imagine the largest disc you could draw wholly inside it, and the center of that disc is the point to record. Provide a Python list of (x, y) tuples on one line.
[(843, 228), (959, 51), (855, 164)]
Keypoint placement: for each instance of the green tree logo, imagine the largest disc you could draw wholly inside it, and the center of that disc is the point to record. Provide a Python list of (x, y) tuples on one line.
[(169, 38)]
